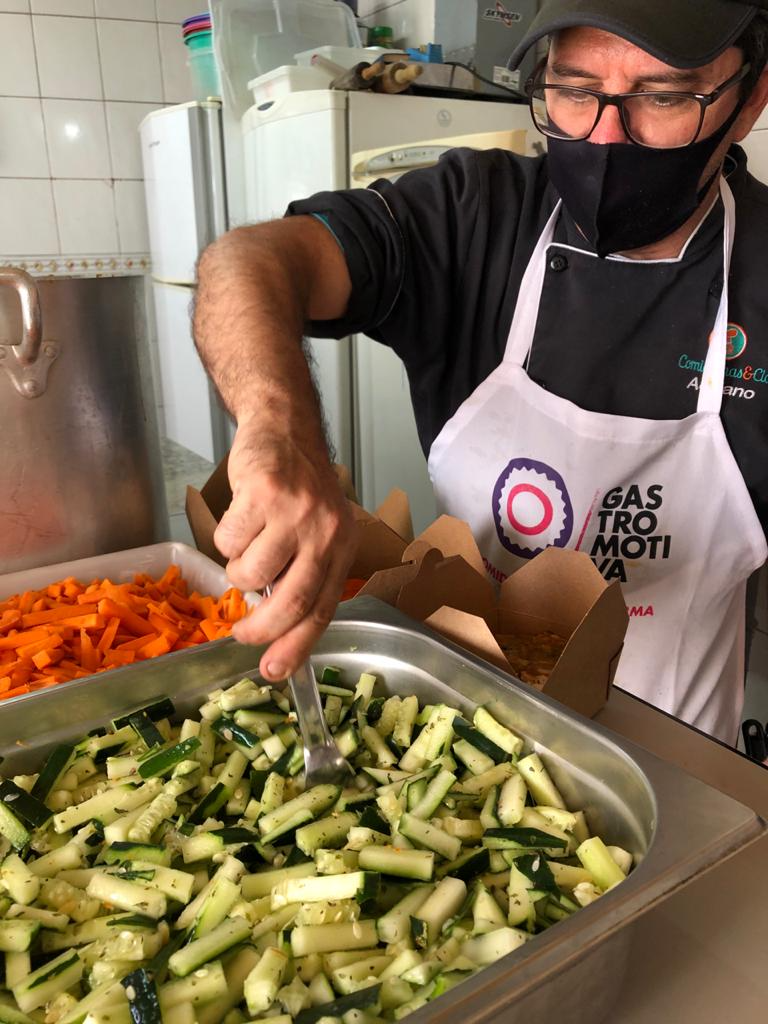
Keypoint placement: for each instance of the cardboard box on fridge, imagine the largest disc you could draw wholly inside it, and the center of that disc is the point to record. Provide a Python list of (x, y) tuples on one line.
[(382, 537), (442, 581)]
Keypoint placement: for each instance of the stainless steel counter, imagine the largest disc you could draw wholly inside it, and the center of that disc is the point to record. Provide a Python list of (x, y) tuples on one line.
[(702, 956), (675, 827)]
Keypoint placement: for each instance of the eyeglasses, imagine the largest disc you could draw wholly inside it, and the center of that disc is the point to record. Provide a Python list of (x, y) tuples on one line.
[(658, 120)]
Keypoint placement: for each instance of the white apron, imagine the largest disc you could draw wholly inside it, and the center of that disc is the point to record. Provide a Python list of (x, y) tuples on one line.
[(658, 504)]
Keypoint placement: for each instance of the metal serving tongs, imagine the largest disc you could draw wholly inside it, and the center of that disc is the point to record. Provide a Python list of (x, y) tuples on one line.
[(323, 762)]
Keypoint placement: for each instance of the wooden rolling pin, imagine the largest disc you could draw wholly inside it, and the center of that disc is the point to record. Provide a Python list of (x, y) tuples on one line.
[(361, 76), (397, 77)]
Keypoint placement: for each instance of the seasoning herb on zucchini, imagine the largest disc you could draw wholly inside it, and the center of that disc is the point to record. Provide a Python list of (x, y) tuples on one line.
[(155, 873)]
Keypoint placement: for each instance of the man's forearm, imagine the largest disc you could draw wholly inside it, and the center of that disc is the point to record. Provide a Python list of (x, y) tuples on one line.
[(251, 307), (287, 520)]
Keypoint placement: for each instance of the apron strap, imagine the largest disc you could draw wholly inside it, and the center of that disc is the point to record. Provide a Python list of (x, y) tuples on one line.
[(527, 309), (528, 298), (713, 377)]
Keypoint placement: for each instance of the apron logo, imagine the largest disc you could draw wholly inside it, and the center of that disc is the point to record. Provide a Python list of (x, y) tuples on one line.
[(531, 508), (629, 531), (737, 341)]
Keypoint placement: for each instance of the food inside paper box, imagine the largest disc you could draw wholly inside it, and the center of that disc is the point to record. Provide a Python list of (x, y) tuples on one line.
[(533, 657)]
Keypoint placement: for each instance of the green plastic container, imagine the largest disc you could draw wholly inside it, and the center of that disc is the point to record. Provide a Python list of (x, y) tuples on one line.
[(204, 72), (199, 40)]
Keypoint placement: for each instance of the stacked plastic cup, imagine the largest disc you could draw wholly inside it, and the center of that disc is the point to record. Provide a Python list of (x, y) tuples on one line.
[(197, 33)]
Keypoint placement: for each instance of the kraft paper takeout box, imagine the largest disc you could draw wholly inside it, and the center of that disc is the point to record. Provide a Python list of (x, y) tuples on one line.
[(439, 578), (442, 582), (382, 537)]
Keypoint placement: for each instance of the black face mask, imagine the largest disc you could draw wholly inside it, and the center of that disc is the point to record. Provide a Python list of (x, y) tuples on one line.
[(624, 196)]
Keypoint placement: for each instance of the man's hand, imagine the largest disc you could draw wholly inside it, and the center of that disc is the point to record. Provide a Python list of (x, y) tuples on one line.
[(288, 519)]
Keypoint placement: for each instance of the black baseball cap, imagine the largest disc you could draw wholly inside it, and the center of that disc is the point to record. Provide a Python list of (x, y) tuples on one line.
[(682, 33)]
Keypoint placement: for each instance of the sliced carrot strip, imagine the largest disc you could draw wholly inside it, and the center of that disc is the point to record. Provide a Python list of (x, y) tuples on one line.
[(72, 629), (28, 636), (67, 611), (109, 634)]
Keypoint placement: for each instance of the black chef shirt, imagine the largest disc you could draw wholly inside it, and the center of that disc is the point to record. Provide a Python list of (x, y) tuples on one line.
[(436, 259)]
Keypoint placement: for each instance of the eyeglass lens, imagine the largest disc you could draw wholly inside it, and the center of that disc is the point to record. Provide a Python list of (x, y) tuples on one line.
[(660, 120)]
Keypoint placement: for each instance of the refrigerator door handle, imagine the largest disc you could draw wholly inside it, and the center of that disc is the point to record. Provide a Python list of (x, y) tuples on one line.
[(398, 160)]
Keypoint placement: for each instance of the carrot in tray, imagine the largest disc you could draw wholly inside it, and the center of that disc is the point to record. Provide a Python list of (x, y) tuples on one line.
[(72, 629), (134, 623), (28, 636), (64, 611), (109, 634)]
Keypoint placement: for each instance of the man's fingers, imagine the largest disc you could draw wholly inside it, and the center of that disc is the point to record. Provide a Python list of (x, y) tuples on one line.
[(295, 645), (264, 558), (239, 525), (293, 599), (296, 615)]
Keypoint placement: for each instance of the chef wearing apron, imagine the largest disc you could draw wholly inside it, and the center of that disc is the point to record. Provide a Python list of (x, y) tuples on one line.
[(527, 469), (585, 335)]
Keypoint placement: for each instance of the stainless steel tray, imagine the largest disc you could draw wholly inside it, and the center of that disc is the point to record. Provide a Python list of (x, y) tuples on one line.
[(675, 826)]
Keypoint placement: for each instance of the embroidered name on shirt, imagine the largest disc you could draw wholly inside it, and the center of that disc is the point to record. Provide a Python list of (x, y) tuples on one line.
[(746, 375), (628, 525), (729, 390)]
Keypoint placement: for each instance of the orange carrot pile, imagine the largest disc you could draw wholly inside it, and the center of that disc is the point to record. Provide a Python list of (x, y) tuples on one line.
[(70, 629)]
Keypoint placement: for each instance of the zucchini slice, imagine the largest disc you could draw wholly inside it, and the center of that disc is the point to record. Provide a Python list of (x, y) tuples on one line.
[(160, 762), (354, 1001), (157, 710), (142, 997), (55, 765)]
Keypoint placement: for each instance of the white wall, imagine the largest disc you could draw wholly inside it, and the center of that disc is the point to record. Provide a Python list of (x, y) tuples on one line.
[(76, 77), (416, 22)]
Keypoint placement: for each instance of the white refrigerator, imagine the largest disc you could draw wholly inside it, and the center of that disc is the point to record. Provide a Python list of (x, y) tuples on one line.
[(185, 194), (309, 141)]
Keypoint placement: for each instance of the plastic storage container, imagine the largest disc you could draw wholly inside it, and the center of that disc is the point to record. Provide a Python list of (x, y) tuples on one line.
[(252, 37), (287, 79), (202, 65), (344, 56)]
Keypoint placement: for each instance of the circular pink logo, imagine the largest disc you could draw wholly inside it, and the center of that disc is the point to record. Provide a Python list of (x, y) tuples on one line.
[(531, 508)]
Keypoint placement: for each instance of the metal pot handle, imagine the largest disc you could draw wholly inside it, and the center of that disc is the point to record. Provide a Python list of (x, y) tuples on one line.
[(27, 370)]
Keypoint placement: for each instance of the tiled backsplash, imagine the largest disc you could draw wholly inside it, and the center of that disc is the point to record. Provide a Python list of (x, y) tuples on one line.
[(76, 79)]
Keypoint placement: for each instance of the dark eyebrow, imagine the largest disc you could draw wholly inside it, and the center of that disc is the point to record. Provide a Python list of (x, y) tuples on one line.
[(675, 77)]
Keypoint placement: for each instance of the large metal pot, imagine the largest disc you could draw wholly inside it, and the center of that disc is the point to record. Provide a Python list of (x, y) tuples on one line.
[(80, 470)]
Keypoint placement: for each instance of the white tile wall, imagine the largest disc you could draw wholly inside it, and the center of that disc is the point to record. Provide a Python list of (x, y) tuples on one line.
[(18, 70), (78, 8), (412, 22), (130, 61), (76, 131), (85, 214), (415, 22), (76, 79), (136, 10), (131, 216), (177, 84), (22, 139), (67, 57), (177, 10), (123, 120), (28, 217)]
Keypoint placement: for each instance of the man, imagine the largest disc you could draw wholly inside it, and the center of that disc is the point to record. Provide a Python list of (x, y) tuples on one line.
[(575, 363)]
